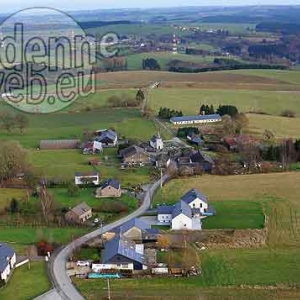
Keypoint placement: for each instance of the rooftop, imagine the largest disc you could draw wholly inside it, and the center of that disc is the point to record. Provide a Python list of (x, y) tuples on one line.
[(181, 207), (81, 209), (5, 251), (191, 195), (196, 118), (111, 182)]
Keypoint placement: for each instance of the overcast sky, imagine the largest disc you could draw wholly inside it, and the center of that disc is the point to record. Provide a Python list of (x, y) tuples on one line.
[(14, 5)]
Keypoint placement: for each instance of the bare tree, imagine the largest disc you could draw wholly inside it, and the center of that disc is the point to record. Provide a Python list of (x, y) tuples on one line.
[(21, 122), (46, 201)]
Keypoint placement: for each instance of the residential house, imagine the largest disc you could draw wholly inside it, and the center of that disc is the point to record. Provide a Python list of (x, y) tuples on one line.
[(186, 213), (135, 155), (79, 214), (7, 261), (92, 147), (201, 119), (87, 178), (59, 144), (107, 137), (203, 160), (111, 188), (156, 142), (122, 254)]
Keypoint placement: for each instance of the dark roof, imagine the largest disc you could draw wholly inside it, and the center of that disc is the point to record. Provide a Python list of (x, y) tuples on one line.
[(103, 134), (181, 207), (81, 209), (127, 152), (111, 182), (121, 246), (191, 195), (152, 231), (195, 139), (80, 174), (196, 211), (155, 138), (165, 209), (201, 157), (195, 118), (5, 251), (133, 223)]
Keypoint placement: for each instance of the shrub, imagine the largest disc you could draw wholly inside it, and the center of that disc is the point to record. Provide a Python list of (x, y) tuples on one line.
[(288, 113)]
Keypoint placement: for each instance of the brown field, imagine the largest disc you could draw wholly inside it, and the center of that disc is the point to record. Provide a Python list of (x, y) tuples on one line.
[(281, 190)]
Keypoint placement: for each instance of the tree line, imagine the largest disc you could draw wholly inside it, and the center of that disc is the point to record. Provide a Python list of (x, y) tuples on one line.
[(222, 110), (9, 121), (167, 113)]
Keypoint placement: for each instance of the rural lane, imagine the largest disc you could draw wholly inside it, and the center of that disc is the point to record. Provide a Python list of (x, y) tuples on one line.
[(63, 287)]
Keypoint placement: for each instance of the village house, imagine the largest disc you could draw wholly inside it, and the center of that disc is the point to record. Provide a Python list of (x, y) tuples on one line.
[(186, 213), (87, 178), (204, 161), (201, 119), (92, 147), (122, 254), (107, 137), (7, 261), (79, 214), (111, 188), (135, 155), (194, 139), (156, 142)]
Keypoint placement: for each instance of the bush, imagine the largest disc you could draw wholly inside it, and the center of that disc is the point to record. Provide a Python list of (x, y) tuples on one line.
[(288, 113)]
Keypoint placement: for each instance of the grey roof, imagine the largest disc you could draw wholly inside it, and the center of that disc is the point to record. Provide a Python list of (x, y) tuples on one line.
[(195, 139), (81, 174), (111, 182), (121, 246), (155, 138), (127, 152), (165, 209), (5, 251), (191, 195), (201, 157), (196, 118), (152, 231), (181, 207), (81, 209), (106, 134), (133, 223)]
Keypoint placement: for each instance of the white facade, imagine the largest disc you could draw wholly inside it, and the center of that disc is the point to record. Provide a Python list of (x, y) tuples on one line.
[(164, 218), (198, 203), (157, 143), (197, 121), (182, 222), (123, 266), (81, 179), (11, 261)]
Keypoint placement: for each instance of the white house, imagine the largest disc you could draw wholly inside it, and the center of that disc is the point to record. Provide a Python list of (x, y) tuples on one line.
[(182, 217), (196, 199), (87, 178), (156, 142), (7, 261), (107, 137), (201, 119)]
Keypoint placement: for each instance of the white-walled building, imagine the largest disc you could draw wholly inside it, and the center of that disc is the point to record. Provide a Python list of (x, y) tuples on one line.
[(156, 142), (87, 178), (7, 261), (201, 119)]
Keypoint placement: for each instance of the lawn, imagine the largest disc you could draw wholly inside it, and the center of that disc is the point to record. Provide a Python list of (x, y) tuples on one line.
[(232, 268), (27, 284), (235, 215), (279, 190)]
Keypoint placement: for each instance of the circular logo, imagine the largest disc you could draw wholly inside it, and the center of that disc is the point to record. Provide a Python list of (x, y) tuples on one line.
[(46, 60)]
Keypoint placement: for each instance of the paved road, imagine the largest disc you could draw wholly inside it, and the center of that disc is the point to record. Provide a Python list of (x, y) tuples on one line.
[(61, 282)]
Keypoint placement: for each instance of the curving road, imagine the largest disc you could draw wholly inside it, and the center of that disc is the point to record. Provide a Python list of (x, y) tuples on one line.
[(62, 284)]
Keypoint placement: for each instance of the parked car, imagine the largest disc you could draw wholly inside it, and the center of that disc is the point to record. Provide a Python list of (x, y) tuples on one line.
[(83, 263), (96, 221)]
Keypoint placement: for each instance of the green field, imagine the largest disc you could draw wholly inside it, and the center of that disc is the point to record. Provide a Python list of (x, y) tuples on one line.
[(235, 215), (26, 283), (221, 268), (71, 125), (7, 194)]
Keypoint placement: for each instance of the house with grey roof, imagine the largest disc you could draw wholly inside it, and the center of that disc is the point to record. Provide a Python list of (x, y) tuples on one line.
[(156, 142), (186, 213), (201, 119), (107, 137), (111, 188), (79, 214), (121, 253), (135, 155), (7, 261)]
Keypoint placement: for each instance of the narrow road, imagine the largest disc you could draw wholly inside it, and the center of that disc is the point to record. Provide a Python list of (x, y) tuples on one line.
[(63, 287)]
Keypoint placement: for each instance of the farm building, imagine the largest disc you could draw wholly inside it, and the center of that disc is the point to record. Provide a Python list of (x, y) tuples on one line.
[(87, 178), (201, 119), (135, 155), (79, 214), (7, 261), (111, 188), (59, 144)]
